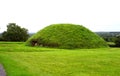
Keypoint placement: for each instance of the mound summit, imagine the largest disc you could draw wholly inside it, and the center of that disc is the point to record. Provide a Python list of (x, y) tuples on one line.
[(66, 36)]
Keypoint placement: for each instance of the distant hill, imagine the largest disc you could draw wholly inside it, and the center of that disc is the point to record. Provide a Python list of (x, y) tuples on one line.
[(108, 33), (66, 36)]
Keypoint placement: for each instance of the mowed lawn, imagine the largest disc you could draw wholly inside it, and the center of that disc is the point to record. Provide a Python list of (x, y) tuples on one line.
[(21, 60)]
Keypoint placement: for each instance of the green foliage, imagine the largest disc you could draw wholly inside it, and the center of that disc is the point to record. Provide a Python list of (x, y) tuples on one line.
[(1, 38), (66, 36), (19, 61), (15, 33), (117, 41)]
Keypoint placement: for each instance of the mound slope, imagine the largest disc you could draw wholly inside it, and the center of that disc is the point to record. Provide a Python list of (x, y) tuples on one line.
[(66, 36)]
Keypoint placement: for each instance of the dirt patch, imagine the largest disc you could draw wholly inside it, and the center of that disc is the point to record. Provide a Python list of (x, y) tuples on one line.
[(2, 71)]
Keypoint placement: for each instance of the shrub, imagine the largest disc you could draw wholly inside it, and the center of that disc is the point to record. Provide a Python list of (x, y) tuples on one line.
[(67, 36), (117, 41)]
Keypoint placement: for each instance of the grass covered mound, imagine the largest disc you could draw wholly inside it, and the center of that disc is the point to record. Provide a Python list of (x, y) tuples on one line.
[(66, 36)]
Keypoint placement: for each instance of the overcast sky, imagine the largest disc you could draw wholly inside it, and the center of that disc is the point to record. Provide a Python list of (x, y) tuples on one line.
[(97, 15)]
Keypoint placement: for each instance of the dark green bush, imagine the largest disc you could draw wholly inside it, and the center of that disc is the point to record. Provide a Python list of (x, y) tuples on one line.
[(66, 36), (1, 38), (15, 33), (117, 41)]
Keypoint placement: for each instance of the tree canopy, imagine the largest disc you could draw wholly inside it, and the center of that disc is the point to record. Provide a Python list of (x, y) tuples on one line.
[(117, 41), (15, 33)]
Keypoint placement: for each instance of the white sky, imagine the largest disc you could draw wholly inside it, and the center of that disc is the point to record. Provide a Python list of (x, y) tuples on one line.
[(97, 15)]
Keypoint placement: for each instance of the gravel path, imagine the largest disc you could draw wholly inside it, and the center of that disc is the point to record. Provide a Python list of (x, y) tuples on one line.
[(2, 71)]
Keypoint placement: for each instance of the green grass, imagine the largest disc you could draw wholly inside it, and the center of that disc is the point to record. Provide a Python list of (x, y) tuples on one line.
[(20, 60), (66, 36)]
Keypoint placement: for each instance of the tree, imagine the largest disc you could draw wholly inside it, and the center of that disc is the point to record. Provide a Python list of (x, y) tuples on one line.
[(117, 41), (1, 38), (15, 33)]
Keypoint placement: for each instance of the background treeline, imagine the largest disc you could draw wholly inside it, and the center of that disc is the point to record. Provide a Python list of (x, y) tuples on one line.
[(108, 36), (112, 38)]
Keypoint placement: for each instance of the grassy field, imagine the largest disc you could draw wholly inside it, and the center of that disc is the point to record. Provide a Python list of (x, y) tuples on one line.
[(20, 60)]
